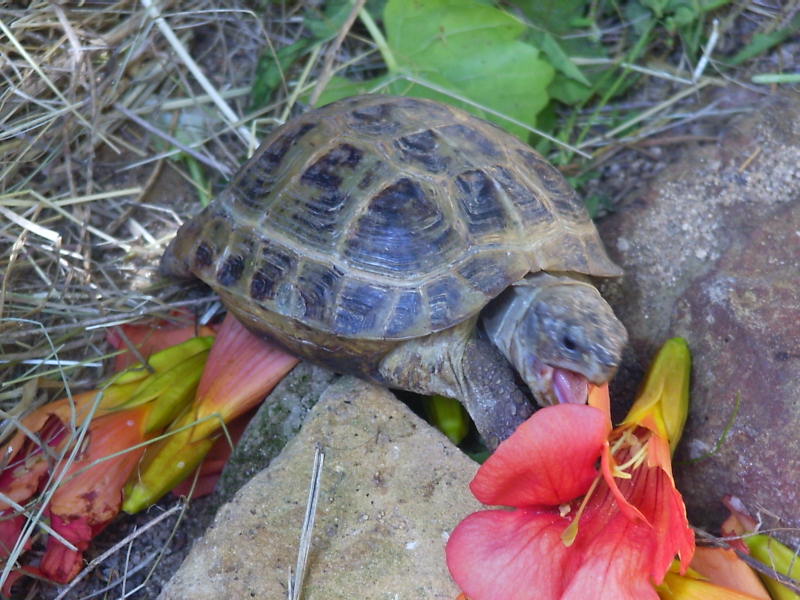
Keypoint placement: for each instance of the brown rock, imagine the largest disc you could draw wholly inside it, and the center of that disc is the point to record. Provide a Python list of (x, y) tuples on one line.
[(743, 320), (712, 253), (392, 490)]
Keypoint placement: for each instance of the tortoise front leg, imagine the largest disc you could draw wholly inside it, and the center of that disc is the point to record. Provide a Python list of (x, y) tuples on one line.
[(462, 364), (490, 392)]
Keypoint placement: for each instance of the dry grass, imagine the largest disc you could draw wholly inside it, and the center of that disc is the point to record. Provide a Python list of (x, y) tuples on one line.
[(115, 118), (105, 115)]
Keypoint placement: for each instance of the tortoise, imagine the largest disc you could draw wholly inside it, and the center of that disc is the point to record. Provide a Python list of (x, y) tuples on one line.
[(413, 244)]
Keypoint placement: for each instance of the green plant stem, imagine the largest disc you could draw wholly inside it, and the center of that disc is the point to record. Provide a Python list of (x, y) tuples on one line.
[(612, 90), (380, 41)]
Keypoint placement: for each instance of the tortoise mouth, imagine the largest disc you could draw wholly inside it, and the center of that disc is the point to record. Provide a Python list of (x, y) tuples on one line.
[(557, 385), (569, 387)]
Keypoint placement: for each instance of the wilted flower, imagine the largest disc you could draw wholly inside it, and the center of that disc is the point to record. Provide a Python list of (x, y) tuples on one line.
[(240, 371), (88, 471)]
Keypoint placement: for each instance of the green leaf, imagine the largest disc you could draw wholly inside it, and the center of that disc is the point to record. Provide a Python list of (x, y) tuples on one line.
[(557, 16), (560, 60), (324, 25), (270, 70), (762, 42), (465, 47)]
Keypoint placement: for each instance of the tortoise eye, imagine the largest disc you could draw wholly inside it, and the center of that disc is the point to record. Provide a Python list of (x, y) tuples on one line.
[(570, 342)]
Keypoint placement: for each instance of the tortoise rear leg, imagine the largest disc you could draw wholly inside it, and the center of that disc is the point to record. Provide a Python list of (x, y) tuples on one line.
[(460, 363)]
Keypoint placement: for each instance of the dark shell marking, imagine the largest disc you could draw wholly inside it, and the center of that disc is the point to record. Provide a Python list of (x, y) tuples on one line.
[(383, 218)]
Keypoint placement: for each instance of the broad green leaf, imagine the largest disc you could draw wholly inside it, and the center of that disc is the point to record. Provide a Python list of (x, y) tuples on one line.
[(466, 47), (568, 90)]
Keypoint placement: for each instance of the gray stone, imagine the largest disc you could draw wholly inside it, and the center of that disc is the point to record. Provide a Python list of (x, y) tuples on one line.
[(392, 490), (277, 420), (712, 253)]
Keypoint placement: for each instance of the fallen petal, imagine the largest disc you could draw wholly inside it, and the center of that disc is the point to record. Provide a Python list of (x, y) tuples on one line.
[(241, 369), (679, 587), (722, 567), (59, 563)]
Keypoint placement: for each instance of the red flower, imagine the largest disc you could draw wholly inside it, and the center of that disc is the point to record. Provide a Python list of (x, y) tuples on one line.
[(577, 532)]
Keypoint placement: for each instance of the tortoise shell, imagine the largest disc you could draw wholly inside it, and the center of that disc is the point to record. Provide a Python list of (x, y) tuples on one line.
[(386, 218)]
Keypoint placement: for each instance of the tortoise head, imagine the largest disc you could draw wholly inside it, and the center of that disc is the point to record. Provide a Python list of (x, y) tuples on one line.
[(560, 334)]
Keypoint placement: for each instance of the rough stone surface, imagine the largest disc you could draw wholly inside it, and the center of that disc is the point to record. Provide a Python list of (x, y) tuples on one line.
[(712, 253), (277, 420), (392, 490)]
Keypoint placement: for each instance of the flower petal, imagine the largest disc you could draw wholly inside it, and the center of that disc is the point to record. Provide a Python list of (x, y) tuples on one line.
[(59, 563), (662, 405), (92, 488), (509, 555), (241, 370), (722, 567), (549, 460), (612, 554), (650, 498)]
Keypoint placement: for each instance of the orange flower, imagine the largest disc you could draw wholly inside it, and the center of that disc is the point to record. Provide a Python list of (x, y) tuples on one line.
[(90, 495), (241, 370)]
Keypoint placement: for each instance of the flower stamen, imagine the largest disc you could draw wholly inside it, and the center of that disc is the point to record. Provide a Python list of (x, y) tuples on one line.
[(571, 532)]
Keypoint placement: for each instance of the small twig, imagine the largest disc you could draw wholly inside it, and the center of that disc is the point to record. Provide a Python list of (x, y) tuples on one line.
[(206, 160), (754, 563), (180, 50), (750, 159), (327, 66), (712, 41), (759, 566), (97, 561), (296, 582)]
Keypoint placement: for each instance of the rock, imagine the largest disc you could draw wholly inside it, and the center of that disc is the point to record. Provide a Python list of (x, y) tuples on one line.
[(392, 490), (712, 253), (743, 321), (277, 420)]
